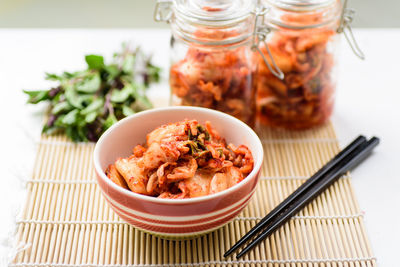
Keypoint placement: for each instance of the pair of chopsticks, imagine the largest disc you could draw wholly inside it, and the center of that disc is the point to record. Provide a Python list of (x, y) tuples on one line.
[(345, 160)]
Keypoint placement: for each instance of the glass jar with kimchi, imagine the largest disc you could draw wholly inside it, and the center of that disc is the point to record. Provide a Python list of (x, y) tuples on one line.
[(303, 42), (212, 63)]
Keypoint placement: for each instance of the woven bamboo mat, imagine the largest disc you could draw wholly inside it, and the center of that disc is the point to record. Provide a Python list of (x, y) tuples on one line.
[(66, 222)]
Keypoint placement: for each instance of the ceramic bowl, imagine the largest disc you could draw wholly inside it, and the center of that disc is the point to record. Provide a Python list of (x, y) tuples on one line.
[(175, 218)]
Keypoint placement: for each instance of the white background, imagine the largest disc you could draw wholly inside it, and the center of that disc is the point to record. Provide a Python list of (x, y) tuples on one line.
[(139, 13), (367, 103)]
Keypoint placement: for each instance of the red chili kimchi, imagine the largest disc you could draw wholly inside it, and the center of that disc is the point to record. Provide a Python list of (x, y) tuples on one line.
[(305, 97), (219, 78), (182, 160)]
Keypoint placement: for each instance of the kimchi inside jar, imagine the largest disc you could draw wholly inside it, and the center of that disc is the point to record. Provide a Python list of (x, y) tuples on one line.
[(303, 44), (212, 63)]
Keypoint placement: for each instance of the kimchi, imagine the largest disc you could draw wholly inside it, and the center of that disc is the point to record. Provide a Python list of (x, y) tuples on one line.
[(304, 98), (182, 160), (216, 77)]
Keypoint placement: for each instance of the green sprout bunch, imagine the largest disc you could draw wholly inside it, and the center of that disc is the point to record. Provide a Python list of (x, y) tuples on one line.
[(86, 103)]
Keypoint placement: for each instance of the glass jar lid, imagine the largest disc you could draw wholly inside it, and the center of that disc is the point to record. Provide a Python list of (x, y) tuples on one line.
[(301, 5), (214, 12), (303, 14)]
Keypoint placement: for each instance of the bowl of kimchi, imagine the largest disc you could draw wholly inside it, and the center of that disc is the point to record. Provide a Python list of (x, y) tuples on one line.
[(184, 211)]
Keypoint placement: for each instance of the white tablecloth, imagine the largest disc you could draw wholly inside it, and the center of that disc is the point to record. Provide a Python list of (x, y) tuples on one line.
[(368, 102)]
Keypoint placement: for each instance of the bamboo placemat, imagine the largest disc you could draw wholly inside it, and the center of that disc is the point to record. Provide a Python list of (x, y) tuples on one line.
[(66, 222)]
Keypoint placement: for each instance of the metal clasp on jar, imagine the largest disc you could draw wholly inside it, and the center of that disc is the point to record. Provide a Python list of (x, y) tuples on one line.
[(163, 11), (345, 23), (261, 30)]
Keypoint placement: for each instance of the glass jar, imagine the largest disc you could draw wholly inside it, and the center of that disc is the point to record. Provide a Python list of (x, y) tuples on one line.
[(303, 42), (212, 62)]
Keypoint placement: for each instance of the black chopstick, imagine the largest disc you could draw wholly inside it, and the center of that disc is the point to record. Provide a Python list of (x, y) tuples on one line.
[(303, 188), (344, 166)]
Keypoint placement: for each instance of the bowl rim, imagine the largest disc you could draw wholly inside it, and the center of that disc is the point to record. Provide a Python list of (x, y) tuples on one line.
[(102, 175)]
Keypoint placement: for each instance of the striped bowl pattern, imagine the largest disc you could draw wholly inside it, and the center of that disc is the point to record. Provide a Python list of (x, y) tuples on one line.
[(175, 218)]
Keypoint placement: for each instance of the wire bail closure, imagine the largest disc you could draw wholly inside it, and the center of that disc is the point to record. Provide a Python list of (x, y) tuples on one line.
[(345, 24), (162, 11), (261, 30)]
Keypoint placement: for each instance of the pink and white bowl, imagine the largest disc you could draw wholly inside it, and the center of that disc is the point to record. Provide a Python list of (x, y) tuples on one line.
[(175, 218)]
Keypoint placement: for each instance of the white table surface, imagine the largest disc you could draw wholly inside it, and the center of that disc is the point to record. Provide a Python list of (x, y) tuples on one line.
[(368, 102)]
